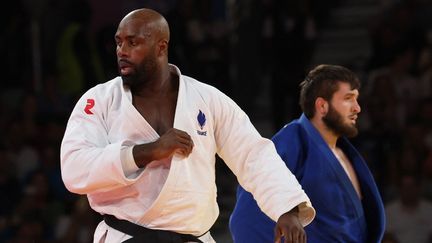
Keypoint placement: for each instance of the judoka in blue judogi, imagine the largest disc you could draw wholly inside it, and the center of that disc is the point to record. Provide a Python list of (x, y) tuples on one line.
[(331, 171)]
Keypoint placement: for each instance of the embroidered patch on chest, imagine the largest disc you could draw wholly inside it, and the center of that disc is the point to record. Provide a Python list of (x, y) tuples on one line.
[(201, 118)]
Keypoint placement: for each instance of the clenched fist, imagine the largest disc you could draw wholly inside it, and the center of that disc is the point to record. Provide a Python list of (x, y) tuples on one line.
[(171, 142)]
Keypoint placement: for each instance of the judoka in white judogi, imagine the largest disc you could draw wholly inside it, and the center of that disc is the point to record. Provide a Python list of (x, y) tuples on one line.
[(178, 194)]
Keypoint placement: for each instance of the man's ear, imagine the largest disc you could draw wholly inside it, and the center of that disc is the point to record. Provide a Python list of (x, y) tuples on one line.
[(321, 106), (163, 47)]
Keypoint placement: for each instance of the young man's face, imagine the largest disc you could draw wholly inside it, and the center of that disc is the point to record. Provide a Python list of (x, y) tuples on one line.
[(342, 112)]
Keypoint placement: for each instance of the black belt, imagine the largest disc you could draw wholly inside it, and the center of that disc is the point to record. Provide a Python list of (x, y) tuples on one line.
[(143, 234)]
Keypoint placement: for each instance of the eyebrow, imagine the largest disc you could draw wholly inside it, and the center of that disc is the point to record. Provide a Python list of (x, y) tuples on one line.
[(351, 93), (128, 36), (145, 35)]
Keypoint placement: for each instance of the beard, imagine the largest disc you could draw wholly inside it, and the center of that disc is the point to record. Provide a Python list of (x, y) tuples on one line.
[(141, 73), (334, 120)]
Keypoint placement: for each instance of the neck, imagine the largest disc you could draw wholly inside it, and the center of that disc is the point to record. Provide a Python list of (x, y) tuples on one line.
[(328, 135), (159, 85)]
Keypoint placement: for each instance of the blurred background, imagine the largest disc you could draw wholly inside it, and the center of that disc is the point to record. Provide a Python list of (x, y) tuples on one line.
[(257, 52)]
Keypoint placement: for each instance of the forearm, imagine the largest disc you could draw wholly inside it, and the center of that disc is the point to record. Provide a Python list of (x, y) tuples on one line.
[(144, 154), (172, 141), (265, 175)]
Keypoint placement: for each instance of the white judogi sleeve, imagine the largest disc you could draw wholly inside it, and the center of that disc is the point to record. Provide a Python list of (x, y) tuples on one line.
[(90, 163), (255, 162)]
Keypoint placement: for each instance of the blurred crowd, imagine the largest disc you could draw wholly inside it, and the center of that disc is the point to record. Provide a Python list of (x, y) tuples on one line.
[(53, 51), (396, 132)]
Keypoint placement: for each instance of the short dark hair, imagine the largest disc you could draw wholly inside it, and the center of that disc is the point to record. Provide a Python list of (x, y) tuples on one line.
[(322, 81)]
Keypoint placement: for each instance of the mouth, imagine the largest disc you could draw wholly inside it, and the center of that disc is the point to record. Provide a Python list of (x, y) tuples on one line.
[(125, 67), (353, 118)]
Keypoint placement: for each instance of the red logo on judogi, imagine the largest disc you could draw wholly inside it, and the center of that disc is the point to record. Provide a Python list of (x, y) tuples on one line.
[(90, 104)]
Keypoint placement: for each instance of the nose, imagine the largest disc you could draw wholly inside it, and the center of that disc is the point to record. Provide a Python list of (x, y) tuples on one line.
[(121, 50), (356, 107)]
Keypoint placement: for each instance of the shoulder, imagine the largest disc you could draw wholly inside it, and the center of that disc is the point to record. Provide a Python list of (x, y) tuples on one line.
[(200, 87), (291, 131), (192, 85), (290, 139), (290, 143), (107, 89), (215, 98), (101, 95)]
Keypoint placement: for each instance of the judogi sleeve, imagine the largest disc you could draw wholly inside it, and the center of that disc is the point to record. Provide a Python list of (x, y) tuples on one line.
[(89, 161), (255, 162)]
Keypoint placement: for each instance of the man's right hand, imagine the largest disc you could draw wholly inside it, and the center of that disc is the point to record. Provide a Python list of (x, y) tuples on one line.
[(171, 142)]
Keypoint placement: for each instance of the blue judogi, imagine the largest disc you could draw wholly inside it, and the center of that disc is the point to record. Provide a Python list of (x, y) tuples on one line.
[(340, 214)]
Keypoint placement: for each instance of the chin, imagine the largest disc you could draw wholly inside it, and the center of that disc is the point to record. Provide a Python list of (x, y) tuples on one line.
[(353, 132), (127, 80)]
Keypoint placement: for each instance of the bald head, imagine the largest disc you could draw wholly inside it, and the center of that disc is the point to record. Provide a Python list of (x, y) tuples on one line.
[(151, 22), (142, 47)]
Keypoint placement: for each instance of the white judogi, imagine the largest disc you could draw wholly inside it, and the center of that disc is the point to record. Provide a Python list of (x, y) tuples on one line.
[(176, 194)]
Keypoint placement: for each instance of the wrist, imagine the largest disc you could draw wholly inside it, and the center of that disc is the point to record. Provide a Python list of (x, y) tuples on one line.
[(293, 212), (143, 154)]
